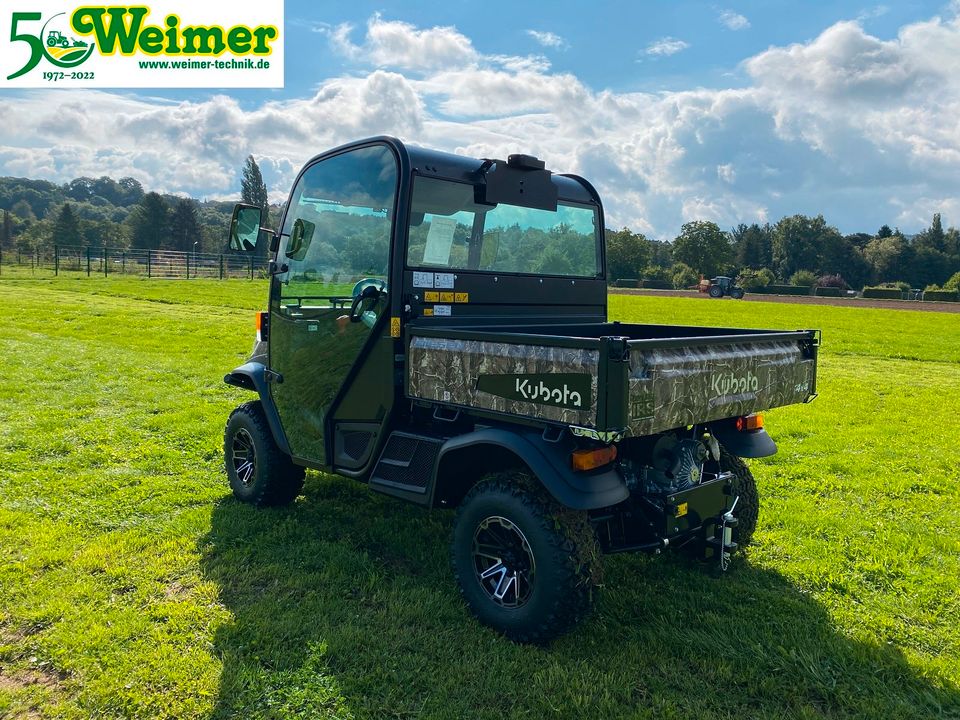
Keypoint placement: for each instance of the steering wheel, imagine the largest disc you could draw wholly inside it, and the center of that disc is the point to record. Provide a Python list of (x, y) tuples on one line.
[(366, 289)]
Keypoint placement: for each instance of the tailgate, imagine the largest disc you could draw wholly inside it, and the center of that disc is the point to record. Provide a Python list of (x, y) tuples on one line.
[(699, 380)]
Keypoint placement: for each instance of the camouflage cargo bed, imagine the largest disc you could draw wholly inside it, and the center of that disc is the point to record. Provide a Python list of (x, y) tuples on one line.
[(612, 377)]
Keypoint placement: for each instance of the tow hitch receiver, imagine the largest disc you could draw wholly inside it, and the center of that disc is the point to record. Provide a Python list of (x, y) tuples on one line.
[(721, 542)]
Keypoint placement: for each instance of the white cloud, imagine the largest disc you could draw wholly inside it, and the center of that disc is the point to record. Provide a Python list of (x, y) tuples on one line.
[(872, 13), (549, 39), (864, 130), (733, 20), (391, 43), (666, 46)]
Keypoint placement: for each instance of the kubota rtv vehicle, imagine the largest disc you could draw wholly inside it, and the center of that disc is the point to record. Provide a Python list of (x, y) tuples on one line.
[(437, 328)]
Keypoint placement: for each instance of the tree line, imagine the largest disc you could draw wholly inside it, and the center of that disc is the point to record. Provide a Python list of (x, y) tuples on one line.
[(797, 250), (37, 214)]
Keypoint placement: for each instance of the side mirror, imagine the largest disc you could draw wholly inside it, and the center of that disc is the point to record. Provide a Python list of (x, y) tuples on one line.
[(245, 227)]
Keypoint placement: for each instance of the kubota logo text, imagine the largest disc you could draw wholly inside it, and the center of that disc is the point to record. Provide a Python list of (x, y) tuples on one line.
[(566, 390), (543, 392), (731, 384)]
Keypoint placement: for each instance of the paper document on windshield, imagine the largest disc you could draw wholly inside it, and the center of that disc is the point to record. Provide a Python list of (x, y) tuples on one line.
[(439, 241)]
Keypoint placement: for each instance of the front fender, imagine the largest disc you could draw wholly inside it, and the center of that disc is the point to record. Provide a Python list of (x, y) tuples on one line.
[(253, 376), (549, 461)]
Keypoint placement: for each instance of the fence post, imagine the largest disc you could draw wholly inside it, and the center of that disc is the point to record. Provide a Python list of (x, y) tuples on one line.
[(221, 266), (38, 258), (123, 261), (148, 264), (104, 260), (88, 261), (18, 256), (56, 260), (250, 258)]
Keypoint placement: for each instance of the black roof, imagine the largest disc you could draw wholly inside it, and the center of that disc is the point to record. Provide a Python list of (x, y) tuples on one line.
[(461, 168)]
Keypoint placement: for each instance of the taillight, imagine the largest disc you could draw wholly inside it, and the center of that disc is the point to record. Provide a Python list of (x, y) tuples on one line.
[(750, 422), (593, 458)]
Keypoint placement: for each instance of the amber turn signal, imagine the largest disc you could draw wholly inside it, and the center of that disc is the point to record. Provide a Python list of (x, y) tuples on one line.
[(260, 318), (594, 458), (750, 422)]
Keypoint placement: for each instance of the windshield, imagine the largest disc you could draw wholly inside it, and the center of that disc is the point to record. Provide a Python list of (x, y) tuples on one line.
[(449, 230)]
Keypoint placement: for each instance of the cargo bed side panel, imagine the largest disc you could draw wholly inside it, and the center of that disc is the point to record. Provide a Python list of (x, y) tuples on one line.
[(533, 381), (673, 387)]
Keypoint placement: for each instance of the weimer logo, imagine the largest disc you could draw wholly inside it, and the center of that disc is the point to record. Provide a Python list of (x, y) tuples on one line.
[(731, 384), (169, 44), (566, 390)]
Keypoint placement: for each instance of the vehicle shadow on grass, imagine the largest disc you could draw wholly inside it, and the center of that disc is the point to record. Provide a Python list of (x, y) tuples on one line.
[(344, 606)]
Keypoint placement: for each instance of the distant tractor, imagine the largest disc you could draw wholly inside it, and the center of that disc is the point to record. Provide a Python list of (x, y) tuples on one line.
[(720, 286)]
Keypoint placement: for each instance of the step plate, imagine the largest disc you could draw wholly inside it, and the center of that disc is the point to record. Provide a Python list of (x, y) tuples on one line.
[(407, 462)]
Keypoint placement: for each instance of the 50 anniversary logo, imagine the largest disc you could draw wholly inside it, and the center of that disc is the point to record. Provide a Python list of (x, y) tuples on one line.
[(140, 46)]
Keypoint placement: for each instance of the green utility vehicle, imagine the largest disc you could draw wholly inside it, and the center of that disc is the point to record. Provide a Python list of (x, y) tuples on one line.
[(437, 328)]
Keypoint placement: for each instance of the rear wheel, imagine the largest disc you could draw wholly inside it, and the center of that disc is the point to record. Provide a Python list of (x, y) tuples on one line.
[(716, 291), (526, 566), (744, 488), (258, 471)]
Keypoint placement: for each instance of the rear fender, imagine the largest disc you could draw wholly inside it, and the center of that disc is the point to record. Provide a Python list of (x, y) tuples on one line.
[(253, 376), (748, 444), (465, 459)]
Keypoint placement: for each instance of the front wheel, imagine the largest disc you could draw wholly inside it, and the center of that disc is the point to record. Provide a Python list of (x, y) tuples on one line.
[(526, 566), (737, 293), (258, 471)]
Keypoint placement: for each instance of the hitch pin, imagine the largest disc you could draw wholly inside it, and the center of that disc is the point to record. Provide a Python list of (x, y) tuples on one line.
[(726, 536)]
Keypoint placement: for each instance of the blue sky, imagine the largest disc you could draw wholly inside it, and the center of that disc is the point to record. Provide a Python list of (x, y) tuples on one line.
[(736, 111)]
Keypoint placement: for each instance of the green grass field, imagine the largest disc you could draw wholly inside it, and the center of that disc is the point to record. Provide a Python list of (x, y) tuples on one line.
[(132, 585)]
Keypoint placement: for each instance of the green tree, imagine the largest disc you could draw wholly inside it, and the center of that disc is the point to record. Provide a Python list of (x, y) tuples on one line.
[(22, 210), (6, 239), (799, 242), (131, 191), (933, 238), (66, 228), (884, 255), (884, 232), (149, 222), (683, 276), (753, 245), (627, 253), (703, 246), (253, 190), (184, 227)]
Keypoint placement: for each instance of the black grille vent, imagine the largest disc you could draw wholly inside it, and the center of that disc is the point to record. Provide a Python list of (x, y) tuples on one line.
[(355, 443)]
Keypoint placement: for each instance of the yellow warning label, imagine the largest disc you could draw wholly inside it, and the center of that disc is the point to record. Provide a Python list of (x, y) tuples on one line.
[(461, 297), (431, 297), (428, 311), (446, 297), (681, 510), (394, 327)]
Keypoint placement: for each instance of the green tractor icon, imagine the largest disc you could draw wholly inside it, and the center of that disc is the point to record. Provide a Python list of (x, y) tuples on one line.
[(55, 37)]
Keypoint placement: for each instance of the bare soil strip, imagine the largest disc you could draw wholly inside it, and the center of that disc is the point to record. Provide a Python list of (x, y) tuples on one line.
[(945, 307)]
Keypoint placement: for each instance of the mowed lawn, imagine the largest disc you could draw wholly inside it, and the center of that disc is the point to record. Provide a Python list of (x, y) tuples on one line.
[(132, 585)]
